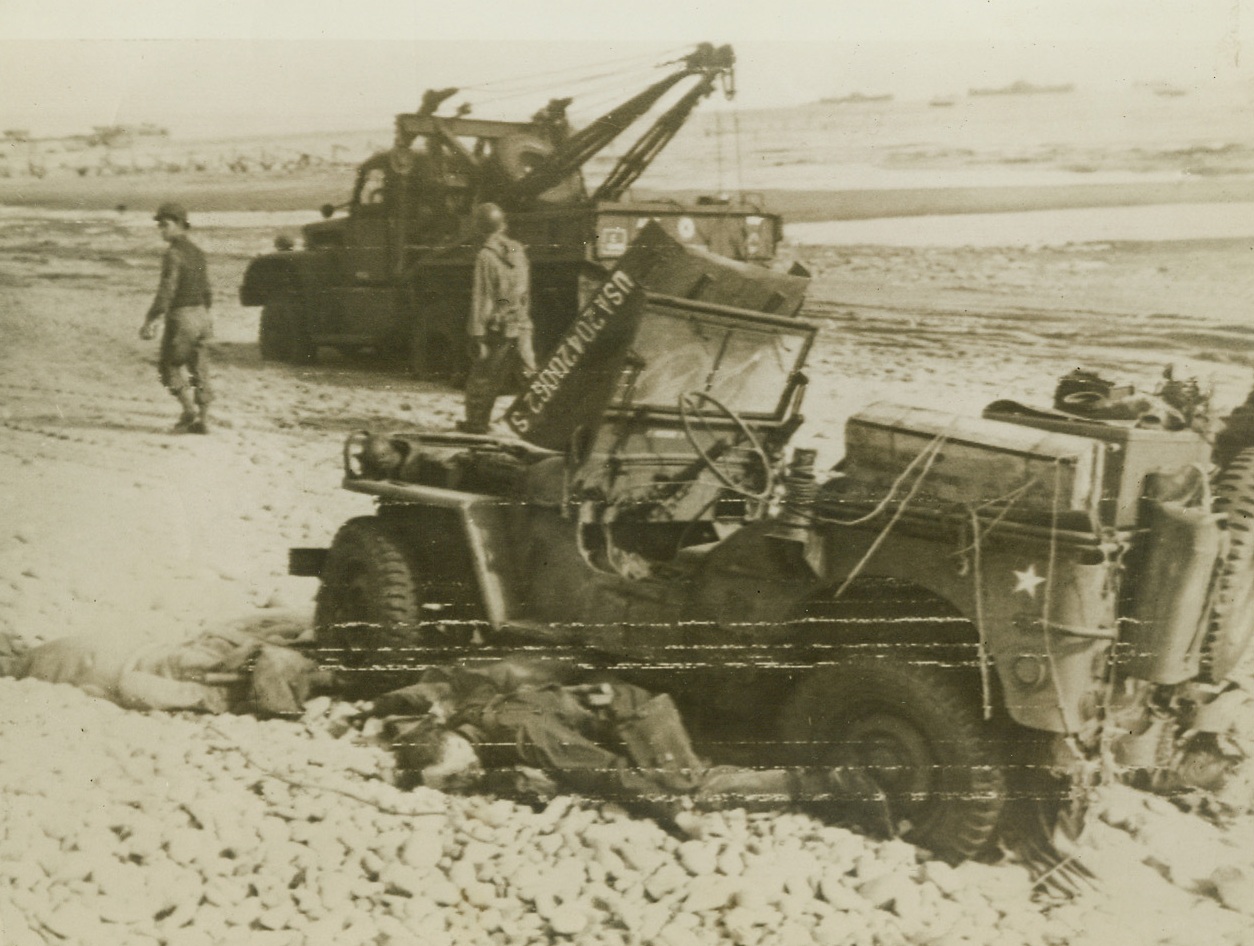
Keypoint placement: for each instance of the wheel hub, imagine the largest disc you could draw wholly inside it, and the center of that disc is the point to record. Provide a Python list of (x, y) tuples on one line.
[(892, 752)]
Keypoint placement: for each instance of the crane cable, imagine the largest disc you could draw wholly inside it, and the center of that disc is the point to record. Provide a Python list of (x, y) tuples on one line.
[(600, 64), (740, 170), (595, 82)]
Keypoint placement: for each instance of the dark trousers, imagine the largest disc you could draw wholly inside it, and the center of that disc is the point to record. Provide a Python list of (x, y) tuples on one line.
[(184, 360), (547, 729), (507, 366)]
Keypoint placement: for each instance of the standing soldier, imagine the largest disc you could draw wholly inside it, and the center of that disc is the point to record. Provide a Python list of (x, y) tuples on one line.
[(499, 326), (183, 299)]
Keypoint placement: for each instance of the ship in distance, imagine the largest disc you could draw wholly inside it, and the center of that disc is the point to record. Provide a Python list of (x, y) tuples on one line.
[(1022, 87)]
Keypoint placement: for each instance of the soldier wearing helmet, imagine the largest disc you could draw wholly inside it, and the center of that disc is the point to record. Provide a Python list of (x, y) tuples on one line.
[(183, 301), (499, 326)]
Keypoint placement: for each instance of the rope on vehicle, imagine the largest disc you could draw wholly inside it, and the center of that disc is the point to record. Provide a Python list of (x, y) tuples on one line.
[(975, 547), (929, 453), (584, 86), (1009, 498), (1068, 733), (650, 57), (740, 168), (986, 695), (933, 453), (718, 147)]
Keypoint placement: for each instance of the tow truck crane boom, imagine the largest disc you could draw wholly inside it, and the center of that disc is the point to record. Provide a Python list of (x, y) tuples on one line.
[(706, 60)]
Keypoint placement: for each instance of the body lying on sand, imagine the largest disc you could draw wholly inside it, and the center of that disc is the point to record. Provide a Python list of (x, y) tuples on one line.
[(523, 724)]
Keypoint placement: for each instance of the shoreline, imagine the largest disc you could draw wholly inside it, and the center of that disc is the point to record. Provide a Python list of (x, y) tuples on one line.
[(309, 191)]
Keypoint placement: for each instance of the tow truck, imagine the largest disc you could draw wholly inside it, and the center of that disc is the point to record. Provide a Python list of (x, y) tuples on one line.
[(394, 273)]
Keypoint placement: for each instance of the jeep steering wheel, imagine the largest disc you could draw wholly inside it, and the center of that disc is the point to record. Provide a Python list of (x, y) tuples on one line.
[(688, 402)]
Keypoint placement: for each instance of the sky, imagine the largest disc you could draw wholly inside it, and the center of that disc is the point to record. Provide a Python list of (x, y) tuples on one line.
[(214, 67)]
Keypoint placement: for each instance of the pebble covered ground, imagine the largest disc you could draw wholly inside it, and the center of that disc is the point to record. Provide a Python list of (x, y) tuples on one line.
[(131, 828), (177, 830)]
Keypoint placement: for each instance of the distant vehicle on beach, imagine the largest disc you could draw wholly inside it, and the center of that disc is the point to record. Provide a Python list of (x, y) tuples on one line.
[(1024, 88), (855, 98), (943, 101), (115, 135)]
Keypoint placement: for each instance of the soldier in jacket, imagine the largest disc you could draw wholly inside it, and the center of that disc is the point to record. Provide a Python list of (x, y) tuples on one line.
[(499, 326), (183, 300)]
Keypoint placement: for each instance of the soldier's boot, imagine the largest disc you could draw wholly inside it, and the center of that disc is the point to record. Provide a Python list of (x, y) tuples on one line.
[(480, 398), (201, 424), (478, 414), (191, 412)]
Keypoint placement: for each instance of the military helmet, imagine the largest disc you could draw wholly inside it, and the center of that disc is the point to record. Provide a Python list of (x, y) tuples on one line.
[(488, 219), (172, 211)]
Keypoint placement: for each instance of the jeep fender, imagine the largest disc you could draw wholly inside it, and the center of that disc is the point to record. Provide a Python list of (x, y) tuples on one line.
[(1045, 608), (765, 590)]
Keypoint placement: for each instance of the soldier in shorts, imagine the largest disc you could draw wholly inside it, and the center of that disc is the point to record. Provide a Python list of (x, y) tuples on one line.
[(183, 300)]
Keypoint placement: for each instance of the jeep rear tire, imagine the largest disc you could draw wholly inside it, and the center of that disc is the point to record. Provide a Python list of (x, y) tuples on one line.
[(1230, 625), (282, 334), (916, 736)]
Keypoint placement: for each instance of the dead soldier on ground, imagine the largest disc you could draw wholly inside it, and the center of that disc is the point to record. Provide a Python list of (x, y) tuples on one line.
[(521, 726), (224, 670)]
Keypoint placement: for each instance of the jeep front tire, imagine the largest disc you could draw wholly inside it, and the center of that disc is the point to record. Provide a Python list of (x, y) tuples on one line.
[(367, 614)]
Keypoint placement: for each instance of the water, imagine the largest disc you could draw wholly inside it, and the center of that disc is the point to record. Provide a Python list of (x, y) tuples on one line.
[(1155, 222), (133, 219)]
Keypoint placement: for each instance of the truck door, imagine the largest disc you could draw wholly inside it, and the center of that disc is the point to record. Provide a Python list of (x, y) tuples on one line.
[(367, 242)]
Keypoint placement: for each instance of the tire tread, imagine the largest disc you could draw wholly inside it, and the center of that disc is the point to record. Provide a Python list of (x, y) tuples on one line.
[(964, 826)]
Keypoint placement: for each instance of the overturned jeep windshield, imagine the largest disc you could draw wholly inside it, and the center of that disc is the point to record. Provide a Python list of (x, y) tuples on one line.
[(745, 367)]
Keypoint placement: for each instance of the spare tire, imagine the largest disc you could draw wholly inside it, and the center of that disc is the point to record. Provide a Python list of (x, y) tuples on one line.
[(1230, 625), (516, 156)]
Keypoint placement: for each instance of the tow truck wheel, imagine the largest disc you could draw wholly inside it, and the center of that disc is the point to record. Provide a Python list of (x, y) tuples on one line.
[(281, 336), (1230, 625), (915, 736)]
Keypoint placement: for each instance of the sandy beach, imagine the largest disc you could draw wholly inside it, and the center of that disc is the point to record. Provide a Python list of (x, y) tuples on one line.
[(108, 524)]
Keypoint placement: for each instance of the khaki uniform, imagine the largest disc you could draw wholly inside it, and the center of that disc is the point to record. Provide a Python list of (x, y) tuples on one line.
[(500, 317), (218, 671)]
